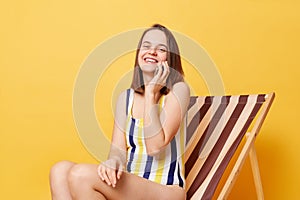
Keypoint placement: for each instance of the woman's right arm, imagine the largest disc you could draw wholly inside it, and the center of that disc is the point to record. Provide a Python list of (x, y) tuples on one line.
[(111, 170)]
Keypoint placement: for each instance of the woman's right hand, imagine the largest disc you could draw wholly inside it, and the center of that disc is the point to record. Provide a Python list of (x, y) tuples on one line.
[(110, 171)]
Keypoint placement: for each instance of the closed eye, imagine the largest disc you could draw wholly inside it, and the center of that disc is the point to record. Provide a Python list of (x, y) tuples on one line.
[(163, 50)]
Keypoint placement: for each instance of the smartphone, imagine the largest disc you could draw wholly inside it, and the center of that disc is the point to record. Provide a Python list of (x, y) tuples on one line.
[(156, 70)]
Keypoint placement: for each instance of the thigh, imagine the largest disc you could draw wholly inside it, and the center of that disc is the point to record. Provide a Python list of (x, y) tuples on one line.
[(132, 187), (135, 187)]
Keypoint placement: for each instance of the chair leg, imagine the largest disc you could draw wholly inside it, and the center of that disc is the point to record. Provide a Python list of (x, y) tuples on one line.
[(248, 148), (256, 174)]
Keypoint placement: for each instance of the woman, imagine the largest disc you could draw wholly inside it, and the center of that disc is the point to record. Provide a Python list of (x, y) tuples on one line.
[(145, 159)]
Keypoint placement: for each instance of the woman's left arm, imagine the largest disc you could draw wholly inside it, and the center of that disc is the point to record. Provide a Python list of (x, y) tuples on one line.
[(161, 127)]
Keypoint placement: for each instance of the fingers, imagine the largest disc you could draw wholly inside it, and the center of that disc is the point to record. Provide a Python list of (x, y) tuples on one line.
[(160, 77), (103, 174), (120, 171), (162, 71), (166, 69), (99, 171), (111, 173), (108, 175)]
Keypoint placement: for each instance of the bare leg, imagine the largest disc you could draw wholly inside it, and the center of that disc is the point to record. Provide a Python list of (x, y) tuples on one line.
[(84, 183), (59, 180), (81, 185)]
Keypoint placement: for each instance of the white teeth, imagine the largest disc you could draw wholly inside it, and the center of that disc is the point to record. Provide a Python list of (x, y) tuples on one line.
[(150, 60)]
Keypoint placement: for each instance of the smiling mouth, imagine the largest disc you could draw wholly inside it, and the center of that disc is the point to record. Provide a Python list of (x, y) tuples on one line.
[(150, 60)]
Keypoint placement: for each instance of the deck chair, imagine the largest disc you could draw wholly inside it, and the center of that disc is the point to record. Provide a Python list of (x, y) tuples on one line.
[(215, 127)]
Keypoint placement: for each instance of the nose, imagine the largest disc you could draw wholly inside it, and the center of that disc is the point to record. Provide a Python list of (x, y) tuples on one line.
[(152, 51)]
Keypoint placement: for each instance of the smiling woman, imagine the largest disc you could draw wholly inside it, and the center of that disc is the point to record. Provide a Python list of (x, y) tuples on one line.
[(145, 159), (157, 44), (153, 51)]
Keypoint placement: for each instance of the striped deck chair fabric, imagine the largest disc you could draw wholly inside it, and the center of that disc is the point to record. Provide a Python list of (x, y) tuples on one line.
[(216, 125)]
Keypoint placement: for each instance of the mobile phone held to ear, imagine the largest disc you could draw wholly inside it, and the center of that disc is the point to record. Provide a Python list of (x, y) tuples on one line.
[(156, 70)]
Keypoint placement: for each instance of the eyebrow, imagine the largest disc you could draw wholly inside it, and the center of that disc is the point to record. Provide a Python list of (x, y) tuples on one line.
[(157, 45)]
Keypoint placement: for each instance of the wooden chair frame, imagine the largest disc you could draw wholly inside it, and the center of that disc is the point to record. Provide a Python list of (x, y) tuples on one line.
[(247, 149)]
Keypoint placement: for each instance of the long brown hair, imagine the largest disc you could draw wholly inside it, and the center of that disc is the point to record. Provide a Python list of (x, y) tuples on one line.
[(173, 59)]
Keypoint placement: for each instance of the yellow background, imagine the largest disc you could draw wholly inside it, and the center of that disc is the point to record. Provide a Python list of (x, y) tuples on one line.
[(255, 45)]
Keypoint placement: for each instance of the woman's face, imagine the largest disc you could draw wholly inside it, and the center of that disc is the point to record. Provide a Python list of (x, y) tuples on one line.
[(153, 50)]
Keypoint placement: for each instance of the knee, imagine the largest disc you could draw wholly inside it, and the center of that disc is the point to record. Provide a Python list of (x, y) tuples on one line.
[(78, 174), (60, 170)]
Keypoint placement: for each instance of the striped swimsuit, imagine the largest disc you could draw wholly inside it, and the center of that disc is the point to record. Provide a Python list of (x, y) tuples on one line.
[(167, 167)]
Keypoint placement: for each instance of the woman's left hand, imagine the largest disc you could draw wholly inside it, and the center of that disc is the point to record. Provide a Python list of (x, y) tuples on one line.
[(110, 171), (160, 78)]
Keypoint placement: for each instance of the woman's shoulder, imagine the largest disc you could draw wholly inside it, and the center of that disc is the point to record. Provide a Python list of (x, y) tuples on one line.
[(179, 95), (181, 86), (122, 100), (180, 91), (126, 96), (124, 93)]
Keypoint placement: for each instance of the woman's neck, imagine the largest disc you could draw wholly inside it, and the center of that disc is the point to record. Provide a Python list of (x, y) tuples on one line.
[(147, 77)]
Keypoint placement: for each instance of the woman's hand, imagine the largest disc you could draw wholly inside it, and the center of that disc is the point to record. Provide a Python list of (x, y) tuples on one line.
[(160, 78), (110, 171)]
